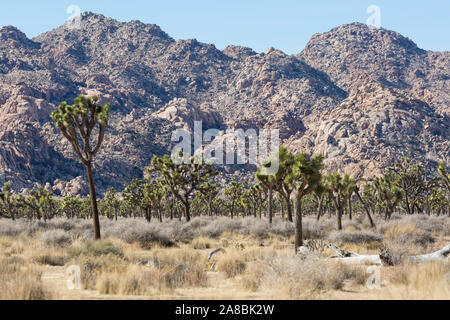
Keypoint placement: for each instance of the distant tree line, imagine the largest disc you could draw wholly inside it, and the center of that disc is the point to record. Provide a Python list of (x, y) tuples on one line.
[(174, 190)]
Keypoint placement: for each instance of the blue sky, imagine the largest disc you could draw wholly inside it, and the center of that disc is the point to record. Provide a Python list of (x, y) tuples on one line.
[(259, 24)]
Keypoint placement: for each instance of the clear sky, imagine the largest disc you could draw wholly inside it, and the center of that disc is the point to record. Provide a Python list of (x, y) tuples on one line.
[(259, 24)]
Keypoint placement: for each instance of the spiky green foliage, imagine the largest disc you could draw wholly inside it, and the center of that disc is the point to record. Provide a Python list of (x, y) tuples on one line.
[(233, 194), (208, 192), (409, 177), (340, 190), (7, 202), (78, 123), (184, 177), (387, 193), (306, 176)]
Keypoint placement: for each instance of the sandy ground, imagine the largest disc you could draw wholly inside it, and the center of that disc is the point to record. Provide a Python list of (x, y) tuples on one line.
[(219, 287)]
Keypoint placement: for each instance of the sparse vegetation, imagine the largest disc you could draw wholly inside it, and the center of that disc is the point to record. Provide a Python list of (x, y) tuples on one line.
[(148, 249)]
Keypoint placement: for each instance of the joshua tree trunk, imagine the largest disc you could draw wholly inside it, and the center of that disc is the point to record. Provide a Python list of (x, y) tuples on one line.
[(148, 214), (269, 206), (319, 210), (408, 208), (187, 211), (339, 218), (298, 223), (365, 208), (93, 202), (289, 208), (350, 208)]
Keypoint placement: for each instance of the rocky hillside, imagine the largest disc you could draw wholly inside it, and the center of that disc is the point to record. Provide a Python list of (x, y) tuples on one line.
[(361, 96)]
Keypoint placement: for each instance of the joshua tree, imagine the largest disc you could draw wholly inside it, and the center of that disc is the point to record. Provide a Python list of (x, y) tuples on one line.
[(387, 193), (70, 205), (8, 201), (41, 202), (319, 195), (284, 184), (183, 178), (234, 193), (134, 196), (445, 177), (268, 182), (78, 123), (306, 175), (154, 195), (409, 177), (336, 189), (111, 202), (208, 192), (368, 191), (255, 196)]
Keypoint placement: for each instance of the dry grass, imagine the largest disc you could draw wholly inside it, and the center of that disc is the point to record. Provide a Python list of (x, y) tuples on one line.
[(232, 263), (20, 282), (170, 259), (201, 243)]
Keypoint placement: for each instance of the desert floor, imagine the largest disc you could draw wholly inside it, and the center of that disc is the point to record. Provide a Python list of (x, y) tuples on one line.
[(141, 260)]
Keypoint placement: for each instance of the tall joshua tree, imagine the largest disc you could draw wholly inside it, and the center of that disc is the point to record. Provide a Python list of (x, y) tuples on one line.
[(306, 174), (84, 124)]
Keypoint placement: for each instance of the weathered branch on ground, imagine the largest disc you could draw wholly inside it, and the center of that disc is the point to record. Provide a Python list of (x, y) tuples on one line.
[(384, 258)]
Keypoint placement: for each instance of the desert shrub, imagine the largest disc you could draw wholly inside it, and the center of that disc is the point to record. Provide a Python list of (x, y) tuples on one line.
[(139, 231), (181, 231), (198, 222), (56, 237), (219, 226), (62, 223), (201, 243), (304, 277), (232, 264), (102, 247), (50, 257), (12, 228), (179, 268), (282, 228), (251, 279), (92, 266), (96, 248), (409, 235), (355, 237), (293, 277)]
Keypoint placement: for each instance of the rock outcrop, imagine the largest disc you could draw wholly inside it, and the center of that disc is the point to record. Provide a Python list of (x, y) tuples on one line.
[(361, 96)]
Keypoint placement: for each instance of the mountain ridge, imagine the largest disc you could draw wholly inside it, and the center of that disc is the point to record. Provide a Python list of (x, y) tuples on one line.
[(319, 98)]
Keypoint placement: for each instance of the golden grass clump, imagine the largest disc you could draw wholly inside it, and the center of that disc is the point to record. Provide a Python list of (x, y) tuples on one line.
[(233, 263), (20, 282), (201, 243), (166, 269), (92, 266), (50, 257), (429, 280)]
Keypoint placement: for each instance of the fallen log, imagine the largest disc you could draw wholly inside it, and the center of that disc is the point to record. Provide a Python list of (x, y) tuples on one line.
[(352, 257), (385, 258), (437, 255)]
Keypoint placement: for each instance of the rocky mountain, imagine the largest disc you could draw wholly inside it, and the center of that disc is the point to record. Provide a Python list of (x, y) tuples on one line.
[(361, 96)]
